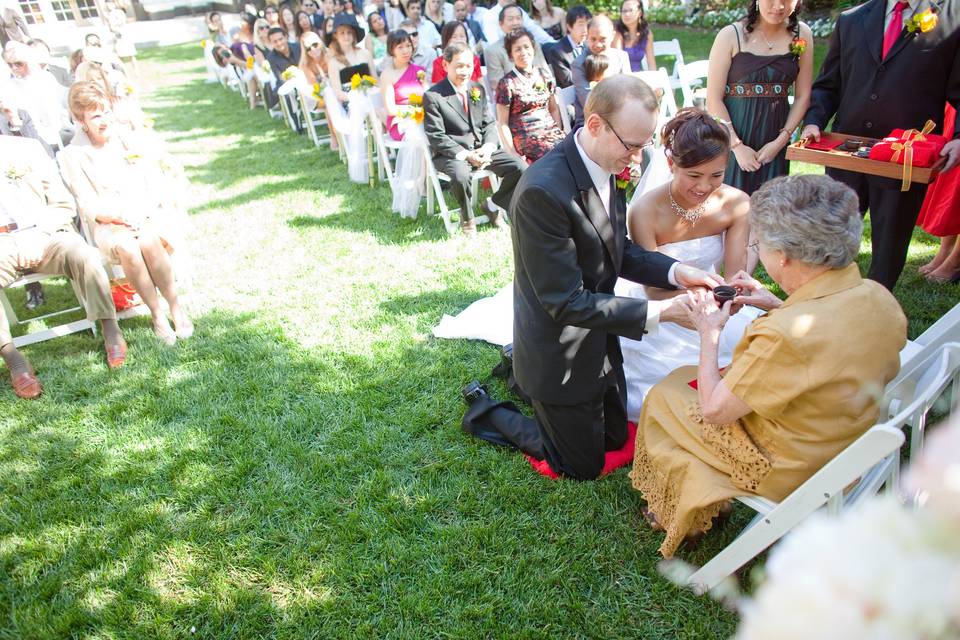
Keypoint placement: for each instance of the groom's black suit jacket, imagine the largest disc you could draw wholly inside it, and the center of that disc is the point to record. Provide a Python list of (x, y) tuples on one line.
[(568, 254), (872, 96)]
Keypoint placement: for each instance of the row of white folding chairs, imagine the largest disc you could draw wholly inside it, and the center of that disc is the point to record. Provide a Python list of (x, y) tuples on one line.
[(869, 464)]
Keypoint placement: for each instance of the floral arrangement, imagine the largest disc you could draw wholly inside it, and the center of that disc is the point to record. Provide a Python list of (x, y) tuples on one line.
[(798, 46), (475, 94), (249, 63), (410, 112), (289, 72), (318, 94), (421, 76), (363, 83), (265, 66), (15, 172), (923, 22), (416, 99)]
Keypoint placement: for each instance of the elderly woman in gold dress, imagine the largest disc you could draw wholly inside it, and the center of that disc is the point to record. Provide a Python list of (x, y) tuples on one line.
[(804, 380)]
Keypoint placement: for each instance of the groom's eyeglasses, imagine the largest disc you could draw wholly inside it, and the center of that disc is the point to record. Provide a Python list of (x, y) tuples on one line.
[(632, 148)]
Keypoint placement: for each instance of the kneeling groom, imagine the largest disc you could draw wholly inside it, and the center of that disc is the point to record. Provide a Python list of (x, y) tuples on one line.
[(569, 245)]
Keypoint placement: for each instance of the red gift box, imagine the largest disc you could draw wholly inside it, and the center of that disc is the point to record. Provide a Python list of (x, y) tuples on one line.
[(925, 153), (920, 136)]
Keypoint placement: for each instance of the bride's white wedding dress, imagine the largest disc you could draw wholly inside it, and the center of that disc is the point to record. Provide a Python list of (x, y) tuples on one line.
[(646, 362)]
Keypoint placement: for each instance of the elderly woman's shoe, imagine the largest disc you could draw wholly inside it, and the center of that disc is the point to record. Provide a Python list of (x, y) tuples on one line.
[(26, 385), (116, 354), (164, 333)]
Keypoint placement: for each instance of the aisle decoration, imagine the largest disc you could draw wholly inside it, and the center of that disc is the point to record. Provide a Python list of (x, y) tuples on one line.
[(410, 183)]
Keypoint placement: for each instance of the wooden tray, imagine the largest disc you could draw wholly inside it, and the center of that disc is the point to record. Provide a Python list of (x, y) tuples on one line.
[(849, 162)]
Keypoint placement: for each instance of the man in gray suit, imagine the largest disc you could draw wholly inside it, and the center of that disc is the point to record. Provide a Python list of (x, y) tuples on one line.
[(497, 58), (599, 40)]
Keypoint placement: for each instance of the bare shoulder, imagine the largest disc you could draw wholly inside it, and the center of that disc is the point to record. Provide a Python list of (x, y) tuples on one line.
[(734, 202), (806, 32)]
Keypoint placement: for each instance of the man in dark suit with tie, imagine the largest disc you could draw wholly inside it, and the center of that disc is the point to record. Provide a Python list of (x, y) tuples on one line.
[(878, 76), (569, 246), (463, 137), (563, 52)]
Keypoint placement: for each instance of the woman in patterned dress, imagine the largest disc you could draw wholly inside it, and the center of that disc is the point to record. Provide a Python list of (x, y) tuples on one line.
[(753, 65), (527, 111)]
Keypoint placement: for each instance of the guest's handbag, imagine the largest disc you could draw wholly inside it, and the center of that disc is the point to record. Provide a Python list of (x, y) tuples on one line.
[(124, 295)]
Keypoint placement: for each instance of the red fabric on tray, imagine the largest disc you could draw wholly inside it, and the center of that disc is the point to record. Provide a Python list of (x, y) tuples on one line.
[(826, 143), (612, 459), (924, 153), (940, 141)]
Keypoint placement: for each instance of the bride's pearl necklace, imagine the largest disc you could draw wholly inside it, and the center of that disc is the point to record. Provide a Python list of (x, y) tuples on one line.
[(690, 216)]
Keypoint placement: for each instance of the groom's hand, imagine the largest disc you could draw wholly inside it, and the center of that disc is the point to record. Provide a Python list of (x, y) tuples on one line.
[(676, 310), (690, 277)]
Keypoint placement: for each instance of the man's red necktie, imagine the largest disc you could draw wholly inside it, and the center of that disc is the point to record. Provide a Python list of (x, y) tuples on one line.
[(895, 27)]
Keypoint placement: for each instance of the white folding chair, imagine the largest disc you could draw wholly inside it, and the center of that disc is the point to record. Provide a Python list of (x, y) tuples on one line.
[(932, 375), (50, 332), (435, 192), (659, 80), (566, 97), (671, 48), (288, 104), (871, 462), (241, 86), (693, 84), (312, 120)]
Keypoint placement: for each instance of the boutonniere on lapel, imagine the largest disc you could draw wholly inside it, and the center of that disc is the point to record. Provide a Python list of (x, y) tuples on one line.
[(15, 173), (624, 178), (421, 76), (475, 95), (922, 22), (797, 47), (540, 85)]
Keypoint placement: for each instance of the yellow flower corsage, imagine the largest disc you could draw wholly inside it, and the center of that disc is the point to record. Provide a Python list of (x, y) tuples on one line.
[(475, 94), (923, 22)]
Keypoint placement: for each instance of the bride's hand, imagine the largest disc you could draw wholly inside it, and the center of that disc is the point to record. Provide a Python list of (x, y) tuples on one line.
[(707, 317)]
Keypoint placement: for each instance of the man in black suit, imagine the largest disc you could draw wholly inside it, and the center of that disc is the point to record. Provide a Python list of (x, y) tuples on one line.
[(569, 246), (474, 30), (563, 52), (283, 54), (463, 136), (876, 78)]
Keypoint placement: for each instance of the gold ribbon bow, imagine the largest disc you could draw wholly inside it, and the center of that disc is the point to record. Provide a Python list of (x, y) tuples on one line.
[(913, 135), (907, 148)]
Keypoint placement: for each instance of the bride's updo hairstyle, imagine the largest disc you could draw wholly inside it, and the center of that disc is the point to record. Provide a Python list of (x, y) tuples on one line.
[(693, 137)]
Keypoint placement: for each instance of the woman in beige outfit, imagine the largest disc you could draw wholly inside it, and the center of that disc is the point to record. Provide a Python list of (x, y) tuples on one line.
[(119, 188)]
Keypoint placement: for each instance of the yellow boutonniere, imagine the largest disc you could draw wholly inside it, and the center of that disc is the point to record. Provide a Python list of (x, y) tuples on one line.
[(249, 63), (923, 22), (475, 94), (15, 172), (203, 44), (416, 99), (798, 46), (133, 158), (288, 73)]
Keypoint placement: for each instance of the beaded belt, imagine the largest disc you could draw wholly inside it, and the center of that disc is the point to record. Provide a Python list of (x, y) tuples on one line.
[(756, 90)]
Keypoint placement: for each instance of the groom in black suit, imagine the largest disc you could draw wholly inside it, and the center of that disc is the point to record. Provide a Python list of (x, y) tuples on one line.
[(878, 76), (569, 245), (463, 136)]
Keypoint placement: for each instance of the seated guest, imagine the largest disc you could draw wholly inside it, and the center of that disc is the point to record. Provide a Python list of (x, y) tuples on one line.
[(596, 67), (550, 18), (561, 55), (492, 31), (376, 41), (125, 106), (429, 34), (303, 25), (599, 40), (327, 32), (120, 196), (37, 236), (438, 13), (495, 55), (348, 59), (288, 22), (423, 55), (244, 51), (474, 30), (804, 379), (453, 32), (313, 58), (40, 94), (42, 51), (272, 16), (283, 54), (527, 111), (634, 36), (401, 81), (216, 31), (14, 121), (463, 136)]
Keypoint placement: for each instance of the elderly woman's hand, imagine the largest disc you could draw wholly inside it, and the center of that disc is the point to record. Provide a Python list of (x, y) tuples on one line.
[(753, 293), (707, 317)]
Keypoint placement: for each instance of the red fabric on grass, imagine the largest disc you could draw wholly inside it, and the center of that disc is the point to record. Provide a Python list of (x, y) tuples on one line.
[(612, 461)]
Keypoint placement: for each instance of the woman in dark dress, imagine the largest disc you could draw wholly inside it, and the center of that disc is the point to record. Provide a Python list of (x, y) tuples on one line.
[(753, 65), (347, 59), (527, 111)]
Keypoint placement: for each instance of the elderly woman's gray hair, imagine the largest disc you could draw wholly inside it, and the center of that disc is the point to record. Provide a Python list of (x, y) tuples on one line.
[(813, 219)]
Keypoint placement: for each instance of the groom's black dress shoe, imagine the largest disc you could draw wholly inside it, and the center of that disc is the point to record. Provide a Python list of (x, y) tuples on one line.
[(503, 368), (473, 392)]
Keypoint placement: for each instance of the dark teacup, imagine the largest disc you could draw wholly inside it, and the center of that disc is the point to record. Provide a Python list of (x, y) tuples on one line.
[(724, 294)]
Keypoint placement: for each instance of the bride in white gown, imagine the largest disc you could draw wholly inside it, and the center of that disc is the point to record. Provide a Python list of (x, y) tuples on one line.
[(698, 220)]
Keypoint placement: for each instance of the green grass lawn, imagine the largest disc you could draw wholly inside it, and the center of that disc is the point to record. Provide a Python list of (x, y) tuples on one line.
[(296, 470)]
